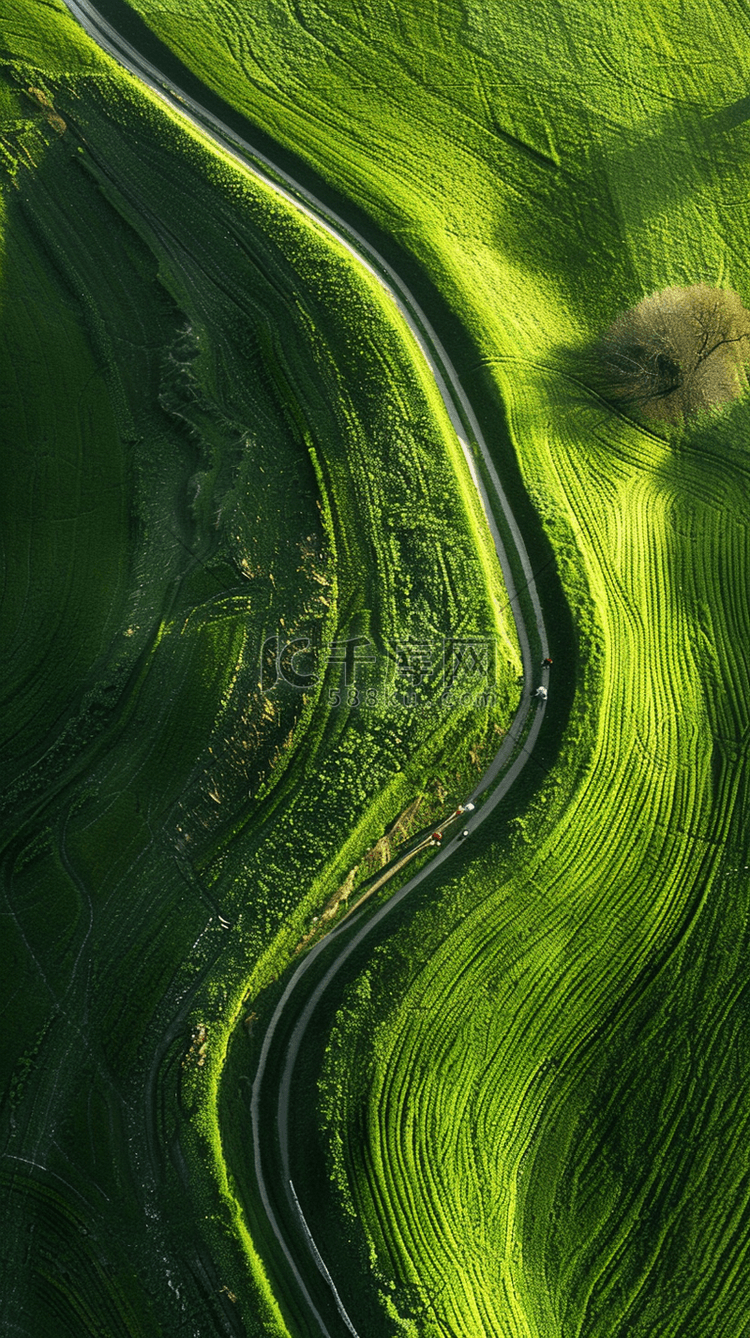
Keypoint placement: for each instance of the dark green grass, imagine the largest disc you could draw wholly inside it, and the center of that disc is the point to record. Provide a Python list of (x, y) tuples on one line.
[(61, 445)]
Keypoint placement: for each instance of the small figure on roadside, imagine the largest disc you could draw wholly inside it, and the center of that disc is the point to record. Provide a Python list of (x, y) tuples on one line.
[(464, 834), (437, 837), (546, 662), (541, 693)]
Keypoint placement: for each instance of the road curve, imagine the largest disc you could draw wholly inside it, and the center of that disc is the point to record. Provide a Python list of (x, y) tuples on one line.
[(468, 430)]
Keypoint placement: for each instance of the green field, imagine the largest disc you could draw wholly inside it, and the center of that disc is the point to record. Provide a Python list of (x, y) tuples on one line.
[(531, 1107), (218, 438)]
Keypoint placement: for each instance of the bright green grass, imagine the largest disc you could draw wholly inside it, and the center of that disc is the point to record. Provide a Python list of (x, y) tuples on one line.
[(216, 432), (547, 167), (551, 1115), (551, 1138)]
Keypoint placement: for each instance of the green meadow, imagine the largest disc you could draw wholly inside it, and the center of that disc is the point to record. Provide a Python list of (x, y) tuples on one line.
[(533, 1096), (224, 462), (529, 1103)]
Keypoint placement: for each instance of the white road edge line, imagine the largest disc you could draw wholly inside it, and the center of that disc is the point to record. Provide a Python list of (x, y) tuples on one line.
[(321, 1265)]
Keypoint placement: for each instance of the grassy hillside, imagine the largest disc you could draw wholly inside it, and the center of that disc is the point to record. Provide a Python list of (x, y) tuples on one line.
[(217, 439), (539, 1119)]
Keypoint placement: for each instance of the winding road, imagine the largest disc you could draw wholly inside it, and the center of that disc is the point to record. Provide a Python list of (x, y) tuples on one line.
[(515, 750)]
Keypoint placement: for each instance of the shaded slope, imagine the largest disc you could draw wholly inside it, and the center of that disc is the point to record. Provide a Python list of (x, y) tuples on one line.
[(284, 464)]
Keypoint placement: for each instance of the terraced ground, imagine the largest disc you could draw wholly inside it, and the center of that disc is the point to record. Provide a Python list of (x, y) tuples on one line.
[(534, 1096), (217, 438)]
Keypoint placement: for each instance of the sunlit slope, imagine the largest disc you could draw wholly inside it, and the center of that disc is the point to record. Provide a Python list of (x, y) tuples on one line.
[(548, 1135), (556, 152), (215, 434)]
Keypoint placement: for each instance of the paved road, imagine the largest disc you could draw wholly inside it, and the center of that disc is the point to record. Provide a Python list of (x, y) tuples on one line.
[(510, 756)]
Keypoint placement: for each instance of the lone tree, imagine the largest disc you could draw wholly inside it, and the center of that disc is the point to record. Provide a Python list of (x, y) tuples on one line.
[(677, 352)]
